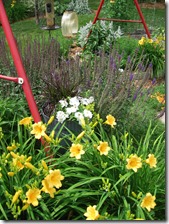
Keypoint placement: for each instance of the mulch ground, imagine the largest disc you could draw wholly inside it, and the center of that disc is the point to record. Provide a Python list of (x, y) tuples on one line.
[(157, 5)]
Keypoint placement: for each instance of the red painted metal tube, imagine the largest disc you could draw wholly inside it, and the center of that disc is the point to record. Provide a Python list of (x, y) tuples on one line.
[(98, 11), (121, 20), (142, 18), (13, 79), (96, 16), (18, 63)]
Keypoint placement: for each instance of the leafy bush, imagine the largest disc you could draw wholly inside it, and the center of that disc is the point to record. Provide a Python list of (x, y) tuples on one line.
[(101, 36), (60, 8), (79, 6), (17, 11)]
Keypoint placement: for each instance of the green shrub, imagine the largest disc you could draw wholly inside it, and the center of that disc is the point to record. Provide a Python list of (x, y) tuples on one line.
[(17, 12)]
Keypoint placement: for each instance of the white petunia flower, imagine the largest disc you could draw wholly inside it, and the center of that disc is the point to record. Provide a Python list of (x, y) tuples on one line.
[(74, 101), (84, 101), (61, 116), (75, 108), (71, 110), (79, 116), (87, 113), (63, 103), (91, 99)]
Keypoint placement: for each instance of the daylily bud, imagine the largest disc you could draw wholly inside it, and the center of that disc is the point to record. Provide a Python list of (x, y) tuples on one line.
[(44, 165), (11, 174), (50, 120), (29, 159), (25, 206), (30, 166), (14, 155), (48, 139), (16, 196), (80, 135), (52, 134), (134, 194)]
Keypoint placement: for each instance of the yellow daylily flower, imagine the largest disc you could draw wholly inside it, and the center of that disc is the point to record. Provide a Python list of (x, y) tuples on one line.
[(76, 151), (25, 121), (103, 148), (134, 163), (17, 163), (38, 130), (110, 120), (92, 213), (148, 202), (47, 189), (54, 178), (33, 195), (152, 161)]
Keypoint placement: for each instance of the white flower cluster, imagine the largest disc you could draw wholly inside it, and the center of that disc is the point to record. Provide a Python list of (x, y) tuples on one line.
[(75, 107)]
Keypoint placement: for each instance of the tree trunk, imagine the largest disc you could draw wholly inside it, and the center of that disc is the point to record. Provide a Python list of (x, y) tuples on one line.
[(37, 11)]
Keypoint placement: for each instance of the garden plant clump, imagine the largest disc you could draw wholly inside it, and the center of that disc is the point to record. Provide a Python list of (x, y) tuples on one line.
[(100, 177), (113, 167)]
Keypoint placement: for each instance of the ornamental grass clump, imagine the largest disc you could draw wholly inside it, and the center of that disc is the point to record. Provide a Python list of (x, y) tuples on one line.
[(101, 176)]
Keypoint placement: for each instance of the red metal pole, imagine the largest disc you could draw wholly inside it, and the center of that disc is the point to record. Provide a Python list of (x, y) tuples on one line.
[(142, 18), (18, 63), (96, 16), (98, 11), (121, 20), (13, 79)]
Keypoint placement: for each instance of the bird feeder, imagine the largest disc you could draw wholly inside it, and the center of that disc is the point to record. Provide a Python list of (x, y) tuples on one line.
[(69, 24), (50, 15)]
